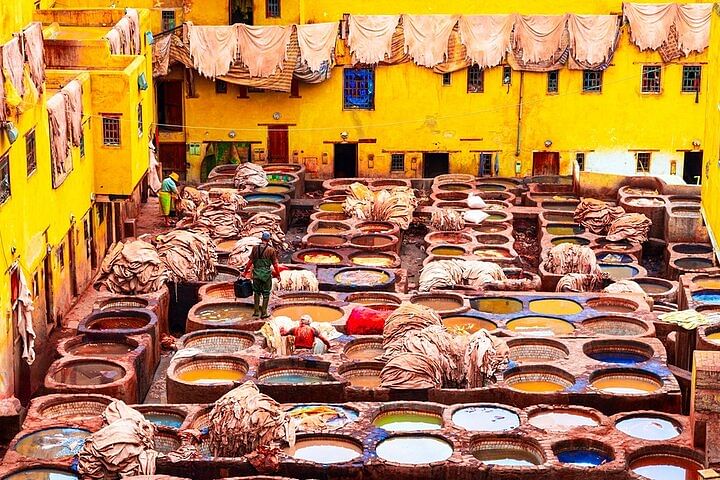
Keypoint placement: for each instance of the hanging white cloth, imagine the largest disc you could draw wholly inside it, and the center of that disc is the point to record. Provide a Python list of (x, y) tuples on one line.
[(317, 41), (153, 177), (25, 320), (693, 26), (213, 49), (426, 37), (263, 49), (370, 37), (486, 37), (650, 23), (539, 37), (134, 18), (592, 38)]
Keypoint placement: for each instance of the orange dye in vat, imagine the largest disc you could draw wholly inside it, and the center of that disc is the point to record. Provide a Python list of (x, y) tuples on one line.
[(363, 353), (460, 325), (712, 283), (330, 230), (319, 313), (714, 337), (210, 375), (370, 380), (331, 207), (537, 386)]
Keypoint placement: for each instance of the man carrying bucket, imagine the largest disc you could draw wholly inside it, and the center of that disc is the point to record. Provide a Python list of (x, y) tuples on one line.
[(262, 266), (168, 191)]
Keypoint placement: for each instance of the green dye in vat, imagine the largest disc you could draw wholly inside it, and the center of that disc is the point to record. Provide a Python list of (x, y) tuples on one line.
[(52, 443), (491, 187), (498, 306), (565, 229), (309, 378), (496, 217), (570, 240), (407, 421), (414, 450), (454, 187), (509, 457), (225, 313), (694, 263), (41, 474), (448, 251)]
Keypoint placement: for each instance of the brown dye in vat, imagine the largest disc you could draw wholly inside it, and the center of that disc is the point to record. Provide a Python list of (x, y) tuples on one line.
[(455, 187), (652, 288), (319, 313), (537, 386), (204, 376), (124, 323), (371, 260), (555, 307), (460, 325), (100, 348), (497, 306), (610, 307), (375, 228), (439, 304), (89, 373), (714, 337), (625, 385), (370, 380), (711, 283), (690, 263), (540, 326), (364, 354), (330, 230), (448, 251), (226, 245)]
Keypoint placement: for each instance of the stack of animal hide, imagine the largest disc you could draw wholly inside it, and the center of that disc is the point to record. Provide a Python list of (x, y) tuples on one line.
[(396, 205), (411, 371), (296, 281), (250, 176), (580, 282), (407, 318), (189, 256), (266, 222), (133, 268), (596, 215), (630, 226), (447, 220), (624, 286), (484, 356), (240, 254), (191, 200), (244, 420), (445, 348), (569, 258), (442, 274)]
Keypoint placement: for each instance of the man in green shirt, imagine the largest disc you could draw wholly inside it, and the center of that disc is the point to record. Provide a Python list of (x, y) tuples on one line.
[(262, 266)]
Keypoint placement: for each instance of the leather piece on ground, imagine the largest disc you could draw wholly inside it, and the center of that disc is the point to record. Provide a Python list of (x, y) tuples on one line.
[(266, 222)]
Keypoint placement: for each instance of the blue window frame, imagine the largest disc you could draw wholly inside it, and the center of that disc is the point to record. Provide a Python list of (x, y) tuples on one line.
[(359, 88)]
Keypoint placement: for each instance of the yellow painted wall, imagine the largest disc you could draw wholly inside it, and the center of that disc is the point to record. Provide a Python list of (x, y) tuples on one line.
[(711, 160)]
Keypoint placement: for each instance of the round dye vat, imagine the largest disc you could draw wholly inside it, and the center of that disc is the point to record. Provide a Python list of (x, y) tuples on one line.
[(209, 376), (325, 450), (555, 306), (616, 326), (454, 187), (363, 378), (648, 428), (570, 240), (439, 303), (496, 217), (464, 325), (319, 313), (537, 386), (414, 450), (615, 258), (491, 252), (362, 277), (375, 227), (92, 349), (583, 458), (653, 287), (646, 202), (707, 297), (562, 421), (364, 350), (320, 258), (219, 341), (448, 251), (508, 457), (306, 377), (330, 230), (619, 272), (167, 419), (343, 416), (536, 350), (666, 467), (52, 443), (265, 197), (490, 228), (491, 187), (566, 230), (707, 282), (541, 326), (41, 474), (694, 263), (486, 419), (714, 337), (331, 207), (124, 323), (625, 383), (279, 189), (618, 357), (89, 372), (408, 421), (372, 259), (225, 313), (612, 305), (499, 306), (538, 379), (279, 177)]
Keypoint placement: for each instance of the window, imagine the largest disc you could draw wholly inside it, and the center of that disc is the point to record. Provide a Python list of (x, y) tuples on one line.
[(272, 8), (30, 152), (580, 159), (446, 79), (359, 88), (485, 167), (111, 130), (397, 162), (592, 81), (82, 146), (475, 80), (691, 78), (140, 119), (642, 162), (60, 253), (4, 177), (552, 81), (220, 86), (168, 20), (507, 75), (650, 79)]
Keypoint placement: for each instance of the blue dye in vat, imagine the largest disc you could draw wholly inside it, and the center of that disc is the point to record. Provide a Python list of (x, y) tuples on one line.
[(264, 197), (164, 419), (623, 358), (583, 458), (41, 474), (706, 297), (295, 378)]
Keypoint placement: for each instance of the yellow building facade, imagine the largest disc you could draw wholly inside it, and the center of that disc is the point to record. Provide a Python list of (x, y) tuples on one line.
[(57, 236)]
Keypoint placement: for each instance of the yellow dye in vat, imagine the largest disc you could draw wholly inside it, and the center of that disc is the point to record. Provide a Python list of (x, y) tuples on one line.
[(491, 253), (448, 251), (460, 325), (541, 326), (439, 304), (210, 375), (331, 207), (552, 306), (537, 386), (371, 260), (321, 258), (713, 283), (274, 189), (714, 337), (319, 313), (498, 306), (625, 385)]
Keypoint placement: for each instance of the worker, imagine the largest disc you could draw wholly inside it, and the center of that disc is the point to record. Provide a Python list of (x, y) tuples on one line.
[(307, 337), (262, 266), (168, 192)]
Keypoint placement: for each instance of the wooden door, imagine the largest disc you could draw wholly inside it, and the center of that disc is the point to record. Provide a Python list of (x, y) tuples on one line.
[(546, 163), (172, 158), (345, 160), (278, 144), (170, 105)]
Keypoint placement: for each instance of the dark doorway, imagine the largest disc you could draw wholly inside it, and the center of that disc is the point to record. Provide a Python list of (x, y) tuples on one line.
[(170, 105), (49, 307), (241, 11), (345, 160), (278, 144), (546, 163), (692, 168), (435, 164), (73, 261), (172, 158)]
